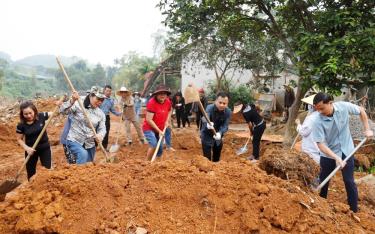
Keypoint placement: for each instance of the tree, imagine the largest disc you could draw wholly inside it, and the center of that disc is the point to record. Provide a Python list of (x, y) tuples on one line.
[(1, 79), (324, 40), (132, 69), (97, 76)]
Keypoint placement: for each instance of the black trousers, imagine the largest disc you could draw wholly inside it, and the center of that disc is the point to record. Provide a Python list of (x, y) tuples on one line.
[(45, 159), (180, 116), (257, 136), (214, 151), (327, 165), (186, 117), (198, 117), (107, 128)]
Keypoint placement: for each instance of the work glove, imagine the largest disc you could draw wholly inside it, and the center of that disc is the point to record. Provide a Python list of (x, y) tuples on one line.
[(217, 136), (210, 125)]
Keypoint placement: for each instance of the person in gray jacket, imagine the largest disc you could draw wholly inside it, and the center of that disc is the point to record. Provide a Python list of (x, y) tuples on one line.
[(81, 139)]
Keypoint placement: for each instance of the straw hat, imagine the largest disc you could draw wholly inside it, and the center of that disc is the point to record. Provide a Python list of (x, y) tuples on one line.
[(123, 89), (309, 100), (237, 108)]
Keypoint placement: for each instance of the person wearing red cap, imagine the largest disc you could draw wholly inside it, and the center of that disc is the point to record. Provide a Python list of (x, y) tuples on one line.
[(158, 112), (196, 110)]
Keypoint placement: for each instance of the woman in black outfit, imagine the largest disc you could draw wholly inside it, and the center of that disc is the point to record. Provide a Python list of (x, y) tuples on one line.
[(256, 125), (28, 130), (179, 106)]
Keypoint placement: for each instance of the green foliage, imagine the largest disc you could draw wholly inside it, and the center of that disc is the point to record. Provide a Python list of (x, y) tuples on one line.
[(342, 46), (241, 93), (372, 170), (132, 70), (82, 77), (1, 79), (24, 82), (329, 43), (219, 35)]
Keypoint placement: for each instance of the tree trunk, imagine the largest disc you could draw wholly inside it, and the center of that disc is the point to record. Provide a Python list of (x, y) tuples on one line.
[(290, 131)]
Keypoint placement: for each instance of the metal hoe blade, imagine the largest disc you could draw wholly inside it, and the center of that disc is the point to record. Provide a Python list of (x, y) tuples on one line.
[(242, 150), (114, 148), (7, 186)]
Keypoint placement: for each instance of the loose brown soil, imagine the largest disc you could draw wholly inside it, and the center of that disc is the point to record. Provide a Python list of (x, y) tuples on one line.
[(181, 193)]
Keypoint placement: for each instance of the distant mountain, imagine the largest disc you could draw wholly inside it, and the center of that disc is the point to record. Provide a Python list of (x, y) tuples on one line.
[(46, 60), (5, 56)]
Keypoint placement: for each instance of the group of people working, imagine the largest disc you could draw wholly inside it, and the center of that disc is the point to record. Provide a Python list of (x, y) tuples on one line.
[(325, 132)]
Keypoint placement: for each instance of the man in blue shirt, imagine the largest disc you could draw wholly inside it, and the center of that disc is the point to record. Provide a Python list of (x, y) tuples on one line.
[(332, 135), (219, 115), (108, 106)]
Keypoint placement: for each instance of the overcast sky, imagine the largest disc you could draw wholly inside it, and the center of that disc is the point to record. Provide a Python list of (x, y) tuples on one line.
[(96, 30)]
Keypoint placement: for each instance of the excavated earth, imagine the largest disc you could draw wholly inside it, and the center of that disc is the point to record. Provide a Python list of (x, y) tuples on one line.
[(180, 193)]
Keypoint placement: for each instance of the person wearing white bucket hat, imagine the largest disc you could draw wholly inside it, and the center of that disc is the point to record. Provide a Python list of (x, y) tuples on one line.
[(129, 115), (309, 146)]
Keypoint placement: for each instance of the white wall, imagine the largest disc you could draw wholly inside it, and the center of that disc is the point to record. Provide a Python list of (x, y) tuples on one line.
[(201, 77)]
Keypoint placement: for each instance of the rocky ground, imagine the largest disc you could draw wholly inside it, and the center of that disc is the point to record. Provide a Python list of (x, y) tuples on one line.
[(181, 193)]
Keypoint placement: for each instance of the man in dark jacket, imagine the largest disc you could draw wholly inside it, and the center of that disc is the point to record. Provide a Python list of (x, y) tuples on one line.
[(219, 115)]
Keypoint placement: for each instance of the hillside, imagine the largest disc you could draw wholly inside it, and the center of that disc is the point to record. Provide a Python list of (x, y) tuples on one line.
[(46, 60)]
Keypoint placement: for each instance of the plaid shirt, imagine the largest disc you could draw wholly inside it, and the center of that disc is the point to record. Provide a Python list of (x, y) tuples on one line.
[(108, 105), (80, 130)]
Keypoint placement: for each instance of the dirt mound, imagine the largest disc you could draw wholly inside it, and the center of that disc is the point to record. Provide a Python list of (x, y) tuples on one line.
[(289, 164), (183, 192), (169, 197)]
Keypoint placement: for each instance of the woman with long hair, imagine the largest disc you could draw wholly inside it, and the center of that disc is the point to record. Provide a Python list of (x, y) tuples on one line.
[(28, 129)]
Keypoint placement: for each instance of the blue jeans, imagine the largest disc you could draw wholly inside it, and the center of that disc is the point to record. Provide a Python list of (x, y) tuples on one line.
[(152, 140), (138, 111), (168, 138), (83, 155)]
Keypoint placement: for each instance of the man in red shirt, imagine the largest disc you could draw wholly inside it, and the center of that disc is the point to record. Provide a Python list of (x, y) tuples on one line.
[(157, 117)]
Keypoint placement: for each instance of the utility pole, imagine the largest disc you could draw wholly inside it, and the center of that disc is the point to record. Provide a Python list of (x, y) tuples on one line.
[(164, 76)]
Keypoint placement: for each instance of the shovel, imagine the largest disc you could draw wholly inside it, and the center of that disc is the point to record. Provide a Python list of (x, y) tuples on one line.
[(294, 142), (115, 147), (244, 148), (191, 95), (107, 159), (9, 185), (338, 167), (158, 145)]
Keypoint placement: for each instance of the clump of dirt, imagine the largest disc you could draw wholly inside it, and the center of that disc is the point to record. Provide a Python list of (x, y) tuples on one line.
[(289, 164), (169, 197), (237, 118), (362, 160), (368, 183)]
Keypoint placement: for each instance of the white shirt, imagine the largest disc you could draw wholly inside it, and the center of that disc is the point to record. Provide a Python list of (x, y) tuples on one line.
[(309, 146)]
